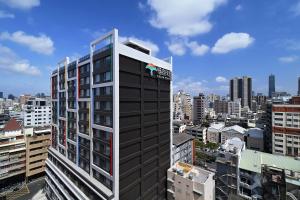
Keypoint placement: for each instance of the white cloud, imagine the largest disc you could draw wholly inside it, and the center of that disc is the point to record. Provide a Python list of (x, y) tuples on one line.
[(21, 4), (4, 14), (295, 9), (288, 59), (239, 7), (183, 18), (147, 43), (198, 49), (9, 61), (95, 33), (189, 85), (232, 41), (179, 46), (41, 44), (176, 47), (221, 79), (288, 44)]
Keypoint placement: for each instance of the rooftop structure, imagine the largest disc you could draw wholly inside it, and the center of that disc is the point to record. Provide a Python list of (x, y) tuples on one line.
[(190, 182)]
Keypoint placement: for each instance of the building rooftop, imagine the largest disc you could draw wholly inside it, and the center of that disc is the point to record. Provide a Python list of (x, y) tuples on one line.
[(236, 128), (12, 125), (196, 128), (252, 160), (255, 132), (233, 145), (217, 126), (191, 172), (181, 138)]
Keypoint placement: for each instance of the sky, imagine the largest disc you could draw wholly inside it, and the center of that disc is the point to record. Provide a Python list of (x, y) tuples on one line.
[(211, 41)]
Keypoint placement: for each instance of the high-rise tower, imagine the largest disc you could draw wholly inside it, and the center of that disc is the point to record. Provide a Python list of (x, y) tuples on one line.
[(271, 85), (111, 124)]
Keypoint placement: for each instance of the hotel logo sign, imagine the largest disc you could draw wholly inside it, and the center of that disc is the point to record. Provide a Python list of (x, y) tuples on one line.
[(158, 72)]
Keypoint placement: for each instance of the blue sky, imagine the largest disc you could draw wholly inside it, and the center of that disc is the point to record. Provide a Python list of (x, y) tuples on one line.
[(211, 41)]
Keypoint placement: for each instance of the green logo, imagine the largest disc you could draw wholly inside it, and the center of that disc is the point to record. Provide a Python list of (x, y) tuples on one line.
[(152, 68)]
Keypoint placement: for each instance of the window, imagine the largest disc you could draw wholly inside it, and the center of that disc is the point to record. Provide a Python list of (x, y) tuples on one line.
[(107, 76), (97, 78)]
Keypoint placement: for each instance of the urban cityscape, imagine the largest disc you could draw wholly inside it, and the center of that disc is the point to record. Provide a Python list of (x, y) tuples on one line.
[(91, 109)]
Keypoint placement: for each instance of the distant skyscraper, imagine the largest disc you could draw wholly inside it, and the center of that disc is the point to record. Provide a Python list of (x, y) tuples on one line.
[(299, 86), (241, 88), (271, 85), (1, 95)]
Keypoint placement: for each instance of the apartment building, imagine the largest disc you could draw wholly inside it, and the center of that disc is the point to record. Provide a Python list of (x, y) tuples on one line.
[(12, 154), (183, 148), (234, 108), (199, 106), (227, 168), (37, 143), (190, 183), (37, 112), (182, 106), (111, 124), (221, 106), (286, 129)]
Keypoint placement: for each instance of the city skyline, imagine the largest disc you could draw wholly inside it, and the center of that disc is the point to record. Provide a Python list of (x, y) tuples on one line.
[(207, 49)]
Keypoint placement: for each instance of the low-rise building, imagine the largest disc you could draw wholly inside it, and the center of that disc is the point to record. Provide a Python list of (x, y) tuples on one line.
[(268, 176), (37, 143), (178, 126), (231, 132), (183, 148), (227, 168), (199, 132), (214, 132), (189, 182), (255, 139), (12, 153)]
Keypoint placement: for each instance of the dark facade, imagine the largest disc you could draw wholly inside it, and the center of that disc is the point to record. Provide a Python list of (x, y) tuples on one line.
[(299, 86), (144, 132), (271, 85)]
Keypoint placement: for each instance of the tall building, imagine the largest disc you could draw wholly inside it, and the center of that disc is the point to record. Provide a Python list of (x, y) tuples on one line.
[(111, 124), (241, 88), (1, 95), (37, 112), (199, 105), (182, 106), (221, 106), (190, 182), (299, 86), (286, 129), (12, 154), (271, 85)]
